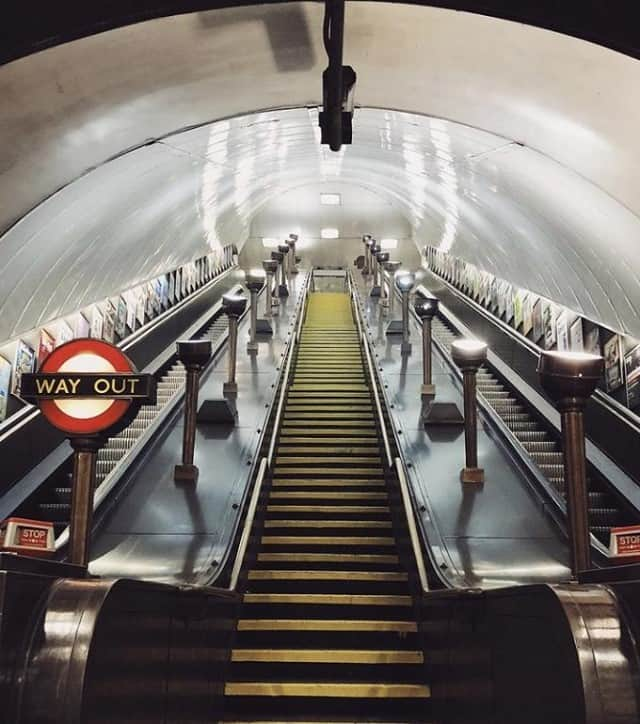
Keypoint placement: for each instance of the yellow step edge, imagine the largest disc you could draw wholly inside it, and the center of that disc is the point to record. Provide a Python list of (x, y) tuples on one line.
[(359, 558), (337, 482), (327, 656), (331, 690), (280, 470), (332, 450), (302, 523), (295, 624), (326, 495), (288, 575), (327, 508), (327, 599), (320, 540), (330, 460)]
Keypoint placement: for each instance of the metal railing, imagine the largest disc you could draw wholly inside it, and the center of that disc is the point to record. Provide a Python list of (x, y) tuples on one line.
[(398, 463), (266, 462)]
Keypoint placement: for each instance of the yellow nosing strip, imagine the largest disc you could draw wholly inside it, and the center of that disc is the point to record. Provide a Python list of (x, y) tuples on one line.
[(303, 523), (328, 599), (360, 558), (331, 690), (311, 624), (326, 540), (284, 575), (328, 656), (327, 509), (316, 495)]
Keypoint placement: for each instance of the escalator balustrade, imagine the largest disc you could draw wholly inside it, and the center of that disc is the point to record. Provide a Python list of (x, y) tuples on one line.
[(540, 445), (327, 628), (52, 502)]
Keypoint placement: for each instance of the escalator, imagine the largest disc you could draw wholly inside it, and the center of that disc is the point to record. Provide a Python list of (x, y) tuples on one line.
[(543, 447), (52, 500), (327, 627)]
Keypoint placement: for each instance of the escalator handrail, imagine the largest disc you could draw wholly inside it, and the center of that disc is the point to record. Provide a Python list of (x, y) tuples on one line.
[(265, 462), (372, 379), (411, 522), (290, 354)]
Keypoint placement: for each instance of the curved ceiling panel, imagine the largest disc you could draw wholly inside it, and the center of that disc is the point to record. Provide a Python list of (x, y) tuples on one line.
[(500, 205), (70, 108)]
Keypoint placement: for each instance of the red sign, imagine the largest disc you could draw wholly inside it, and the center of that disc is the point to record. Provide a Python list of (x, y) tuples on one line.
[(27, 537), (85, 416), (625, 542)]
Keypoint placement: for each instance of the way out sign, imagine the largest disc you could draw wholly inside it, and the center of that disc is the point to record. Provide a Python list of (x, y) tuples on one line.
[(88, 387)]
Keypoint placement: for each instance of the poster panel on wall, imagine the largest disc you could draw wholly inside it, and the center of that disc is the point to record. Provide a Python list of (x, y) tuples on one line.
[(121, 318), (184, 280), (527, 313), (536, 314), (592, 341), (517, 309), (97, 323), (109, 325), (562, 332), (502, 298), (157, 294), (613, 364), (46, 345), (150, 305), (549, 324), (172, 287), (632, 374), (141, 304), (24, 361), (81, 326), (508, 302), (5, 386), (164, 291), (576, 336), (132, 301), (63, 333)]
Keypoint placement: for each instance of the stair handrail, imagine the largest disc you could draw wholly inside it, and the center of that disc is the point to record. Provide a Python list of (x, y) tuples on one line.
[(265, 462), (372, 378)]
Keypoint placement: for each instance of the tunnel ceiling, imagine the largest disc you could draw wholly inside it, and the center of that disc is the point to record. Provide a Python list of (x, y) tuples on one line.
[(477, 195), (540, 183)]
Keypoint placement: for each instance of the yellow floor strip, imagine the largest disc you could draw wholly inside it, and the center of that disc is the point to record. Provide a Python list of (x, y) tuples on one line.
[(327, 524), (306, 624), (327, 690), (327, 599), (327, 509), (323, 495), (360, 558), (287, 575), (323, 540), (328, 656)]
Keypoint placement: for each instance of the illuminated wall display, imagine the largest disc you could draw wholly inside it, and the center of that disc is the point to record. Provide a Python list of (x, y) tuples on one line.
[(329, 233), (330, 199)]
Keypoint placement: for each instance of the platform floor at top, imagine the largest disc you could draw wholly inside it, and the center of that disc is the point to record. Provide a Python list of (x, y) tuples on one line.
[(493, 534), (172, 533)]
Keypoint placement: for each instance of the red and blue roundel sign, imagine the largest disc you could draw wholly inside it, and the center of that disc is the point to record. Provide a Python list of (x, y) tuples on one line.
[(76, 386)]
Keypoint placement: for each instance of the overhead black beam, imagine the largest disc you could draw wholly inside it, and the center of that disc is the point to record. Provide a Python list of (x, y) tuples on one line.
[(27, 26)]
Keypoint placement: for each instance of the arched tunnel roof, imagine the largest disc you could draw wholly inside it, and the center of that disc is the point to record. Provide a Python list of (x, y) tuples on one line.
[(532, 177)]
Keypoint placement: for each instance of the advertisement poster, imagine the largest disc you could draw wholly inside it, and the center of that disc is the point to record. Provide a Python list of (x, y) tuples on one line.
[(24, 362), (538, 329), (164, 296), (549, 324), (613, 364), (97, 323), (81, 326), (508, 301), (5, 385), (172, 287), (141, 304), (184, 282), (157, 295), (63, 333), (121, 318), (109, 324), (46, 345), (592, 341), (562, 332), (632, 371), (517, 309), (576, 337), (132, 301), (495, 294), (527, 313)]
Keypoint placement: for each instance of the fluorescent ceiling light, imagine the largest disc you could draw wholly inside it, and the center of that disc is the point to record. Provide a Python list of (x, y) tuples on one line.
[(329, 233), (330, 199), (389, 244), (270, 243)]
